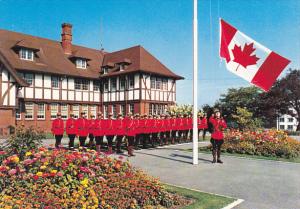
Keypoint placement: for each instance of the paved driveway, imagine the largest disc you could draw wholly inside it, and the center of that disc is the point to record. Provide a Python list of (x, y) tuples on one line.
[(262, 184)]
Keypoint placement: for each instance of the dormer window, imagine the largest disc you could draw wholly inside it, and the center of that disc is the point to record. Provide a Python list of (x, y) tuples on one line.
[(81, 63), (105, 70), (26, 54), (121, 67)]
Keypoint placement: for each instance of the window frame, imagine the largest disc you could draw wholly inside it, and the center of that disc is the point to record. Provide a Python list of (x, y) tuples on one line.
[(96, 86), (114, 110), (153, 82), (131, 82), (26, 54), (113, 88), (122, 83), (26, 113), (105, 86), (43, 111), (81, 63), (29, 79), (64, 112), (75, 110), (53, 80), (85, 108), (54, 115)]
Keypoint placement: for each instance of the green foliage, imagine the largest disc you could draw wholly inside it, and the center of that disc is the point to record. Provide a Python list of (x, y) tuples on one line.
[(244, 119), (180, 109), (23, 140)]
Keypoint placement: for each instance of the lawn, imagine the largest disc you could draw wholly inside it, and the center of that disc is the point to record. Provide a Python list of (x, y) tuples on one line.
[(202, 200), (293, 160)]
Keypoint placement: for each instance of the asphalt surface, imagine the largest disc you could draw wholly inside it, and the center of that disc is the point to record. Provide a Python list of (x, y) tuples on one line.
[(262, 184)]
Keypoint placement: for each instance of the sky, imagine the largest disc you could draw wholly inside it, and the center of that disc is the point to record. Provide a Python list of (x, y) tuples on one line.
[(165, 29)]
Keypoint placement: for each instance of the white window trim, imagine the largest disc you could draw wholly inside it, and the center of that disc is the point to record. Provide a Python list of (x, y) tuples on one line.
[(32, 111), (52, 104), (27, 51), (62, 111), (44, 112), (57, 82), (81, 63)]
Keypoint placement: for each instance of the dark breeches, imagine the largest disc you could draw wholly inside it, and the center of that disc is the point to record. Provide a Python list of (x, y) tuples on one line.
[(99, 140)]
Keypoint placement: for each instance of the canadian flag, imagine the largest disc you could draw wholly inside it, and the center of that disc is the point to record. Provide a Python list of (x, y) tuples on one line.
[(248, 58)]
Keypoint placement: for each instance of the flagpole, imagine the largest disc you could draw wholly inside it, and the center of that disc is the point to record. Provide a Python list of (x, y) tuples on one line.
[(195, 80)]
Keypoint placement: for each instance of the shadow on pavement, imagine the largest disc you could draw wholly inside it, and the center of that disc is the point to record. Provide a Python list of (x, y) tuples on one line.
[(176, 155)]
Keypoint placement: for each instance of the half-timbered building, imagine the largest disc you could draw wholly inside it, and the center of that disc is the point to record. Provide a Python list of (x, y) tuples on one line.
[(40, 77)]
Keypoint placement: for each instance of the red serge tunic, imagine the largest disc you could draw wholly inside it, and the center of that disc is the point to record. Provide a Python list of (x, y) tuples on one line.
[(199, 123), (168, 125), (150, 125), (142, 124), (82, 127), (130, 127), (203, 124), (179, 124), (98, 127), (136, 124), (91, 126), (219, 125), (185, 124), (108, 127), (190, 123), (57, 127), (173, 124), (119, 127), (159, 125), (154, 125), (71, 126)]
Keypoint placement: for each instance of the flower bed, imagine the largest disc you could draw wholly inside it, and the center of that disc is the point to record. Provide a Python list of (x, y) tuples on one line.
[(269, 143), (77, 179)]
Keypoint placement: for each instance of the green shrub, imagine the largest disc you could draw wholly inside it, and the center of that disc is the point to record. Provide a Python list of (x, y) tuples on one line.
[(24, 139)]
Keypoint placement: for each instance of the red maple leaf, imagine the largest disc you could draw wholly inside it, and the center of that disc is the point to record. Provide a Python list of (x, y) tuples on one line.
[(244, 56)]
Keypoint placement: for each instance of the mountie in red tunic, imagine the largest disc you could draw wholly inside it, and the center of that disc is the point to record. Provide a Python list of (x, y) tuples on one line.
[(58, 127), (179, 124), (119, 127), (142, 123), (71, 126), (150, 124), (91, 126), (218, 126), (173, 124), (109, 127), (130, 127), (136, 125), (190, 123), (203, 123), (82, 127), (98, 127)]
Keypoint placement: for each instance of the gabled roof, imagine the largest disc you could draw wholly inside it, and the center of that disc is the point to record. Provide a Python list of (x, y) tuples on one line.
[(50, 58), (141, 60)]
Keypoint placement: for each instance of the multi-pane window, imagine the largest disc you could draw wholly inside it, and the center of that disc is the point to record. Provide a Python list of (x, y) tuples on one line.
[(122, 83), (154, 109), (40, 111), (26, 54), (105, 86), (75, 109), (29, 78), (158, 83), (105, 111), (131, 108), (164, 84), (290, 127), (153, 79), (29, 111), (81, 84), (96, 85), (151, 109), (113, 84), (64, 111), (85, 84), (122, 110), (281, 127), (131, 82), (53, 110), (81, 63), (121, 67), (291, 120), (93, 110), (105, 70), (281, 119), (85, 109), (114, 111), (54, 82)]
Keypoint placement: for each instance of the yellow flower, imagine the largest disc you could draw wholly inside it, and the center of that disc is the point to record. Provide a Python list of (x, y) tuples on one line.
[(15, 159), (43, 167), (28, 153), (39, 174), (46, 163), (53, 171), (84, 182)]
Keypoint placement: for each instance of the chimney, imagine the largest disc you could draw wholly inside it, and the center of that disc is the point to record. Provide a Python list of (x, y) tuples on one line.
[(66, 38)]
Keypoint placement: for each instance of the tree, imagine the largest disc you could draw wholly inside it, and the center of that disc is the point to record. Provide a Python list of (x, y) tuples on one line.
[(283, 97), (244, 97), (244, 119)]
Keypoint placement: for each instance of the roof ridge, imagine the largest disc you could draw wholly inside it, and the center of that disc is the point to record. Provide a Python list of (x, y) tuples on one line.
[(48, 39)]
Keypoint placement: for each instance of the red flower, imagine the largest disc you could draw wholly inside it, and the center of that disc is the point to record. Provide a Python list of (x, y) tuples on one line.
[(35, 177)]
